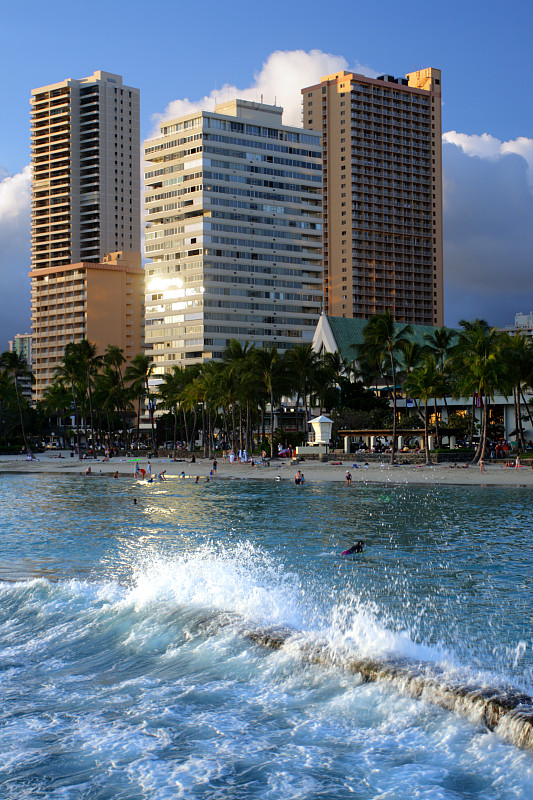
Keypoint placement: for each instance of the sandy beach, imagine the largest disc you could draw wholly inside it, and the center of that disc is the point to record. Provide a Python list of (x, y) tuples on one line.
[(495, 474)]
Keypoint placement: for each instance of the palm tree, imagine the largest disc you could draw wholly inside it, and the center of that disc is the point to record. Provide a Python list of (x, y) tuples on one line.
[(170, 391), (138, 373), (115, 359), (477, 362), (15, 366), (302, 362), (87, 354), (517, 355), (239, 361), (421, 384), (69, 373), (383, 342), (271, 370)]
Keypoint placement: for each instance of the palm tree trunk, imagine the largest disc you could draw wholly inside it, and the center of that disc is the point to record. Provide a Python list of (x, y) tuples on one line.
[(271, 423), (393, 449), (526, 406), (26, 445), (76, 420), (175, 414), (204, 437), (426, 433), (473, 420), (437, 435)]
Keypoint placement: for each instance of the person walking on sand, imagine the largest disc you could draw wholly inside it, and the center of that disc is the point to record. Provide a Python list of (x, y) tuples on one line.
[(215, 465)]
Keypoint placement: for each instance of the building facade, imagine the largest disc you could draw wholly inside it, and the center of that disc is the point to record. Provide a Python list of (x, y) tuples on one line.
[(523, 324), (22, 346), (102, 302), (382, 193), (234, 231), (85, 145), (85, 140)]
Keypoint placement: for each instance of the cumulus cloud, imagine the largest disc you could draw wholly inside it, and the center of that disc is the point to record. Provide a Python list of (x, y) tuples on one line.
[(487, 146), (488, 230), (280, 81), (14, 254)]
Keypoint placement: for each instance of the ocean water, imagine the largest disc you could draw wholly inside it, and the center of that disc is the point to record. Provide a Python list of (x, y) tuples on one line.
[(125, 671)]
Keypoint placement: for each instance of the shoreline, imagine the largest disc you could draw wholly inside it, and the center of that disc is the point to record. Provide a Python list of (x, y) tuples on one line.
[(316, 472)]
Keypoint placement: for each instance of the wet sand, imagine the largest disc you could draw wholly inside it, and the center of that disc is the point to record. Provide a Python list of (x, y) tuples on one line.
[(494, 474)]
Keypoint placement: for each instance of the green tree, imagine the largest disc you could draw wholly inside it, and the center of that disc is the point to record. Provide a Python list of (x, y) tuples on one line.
[(479, 369), (422, 383), (383, 343), (138, 374), (16, 367)]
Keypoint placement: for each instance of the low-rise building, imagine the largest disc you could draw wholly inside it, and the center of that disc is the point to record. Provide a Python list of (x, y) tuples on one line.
[(101, 302)]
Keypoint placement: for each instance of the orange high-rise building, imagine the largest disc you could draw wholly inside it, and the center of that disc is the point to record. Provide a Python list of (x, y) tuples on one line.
[(382, 204)]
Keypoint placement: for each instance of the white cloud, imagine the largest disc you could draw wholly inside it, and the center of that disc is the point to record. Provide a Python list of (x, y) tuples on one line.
[(280, 81), (14, 255), (488, 231), (488, 147)]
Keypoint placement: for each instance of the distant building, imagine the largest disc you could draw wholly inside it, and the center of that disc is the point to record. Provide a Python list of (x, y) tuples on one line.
[(22, 345), (85, 146), (101, 302), (234, 230), (382, 193), (523, 323)]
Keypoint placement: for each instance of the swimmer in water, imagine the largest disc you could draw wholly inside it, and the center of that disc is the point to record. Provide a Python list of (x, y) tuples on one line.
[(358, 547)]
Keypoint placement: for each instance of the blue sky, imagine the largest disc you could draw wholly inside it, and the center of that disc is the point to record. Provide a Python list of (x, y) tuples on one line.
[(175, 51)]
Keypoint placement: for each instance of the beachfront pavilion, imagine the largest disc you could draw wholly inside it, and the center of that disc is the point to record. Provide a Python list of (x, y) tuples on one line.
[(369, 439), (343, 335)]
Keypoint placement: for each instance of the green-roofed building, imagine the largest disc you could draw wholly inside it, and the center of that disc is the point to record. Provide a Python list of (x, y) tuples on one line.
[(343, 334)]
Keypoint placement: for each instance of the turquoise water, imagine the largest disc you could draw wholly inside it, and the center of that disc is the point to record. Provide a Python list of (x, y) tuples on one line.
[(124, 672)]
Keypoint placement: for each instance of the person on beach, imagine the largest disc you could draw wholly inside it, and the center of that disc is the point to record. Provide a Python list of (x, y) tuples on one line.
[(88, 471), (197, 479), (481, 465), (149, 470), (348, 479), (115, 475), (137, 471), (215, 465), (298, 478)]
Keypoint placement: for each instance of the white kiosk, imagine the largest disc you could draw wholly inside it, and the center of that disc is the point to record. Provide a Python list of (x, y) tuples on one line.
[(322, 426)]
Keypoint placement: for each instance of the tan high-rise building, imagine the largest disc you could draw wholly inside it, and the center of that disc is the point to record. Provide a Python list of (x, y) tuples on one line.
[(382, 172), (102, 302), (85, 144)]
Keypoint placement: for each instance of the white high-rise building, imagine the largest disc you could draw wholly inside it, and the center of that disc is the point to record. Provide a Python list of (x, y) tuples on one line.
[(233, 211)]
